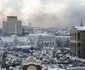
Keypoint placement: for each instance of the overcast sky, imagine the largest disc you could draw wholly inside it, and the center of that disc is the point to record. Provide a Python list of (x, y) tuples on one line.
[(44, 13)]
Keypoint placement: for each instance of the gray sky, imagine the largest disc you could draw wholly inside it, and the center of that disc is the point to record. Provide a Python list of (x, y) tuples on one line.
[(45, 13)]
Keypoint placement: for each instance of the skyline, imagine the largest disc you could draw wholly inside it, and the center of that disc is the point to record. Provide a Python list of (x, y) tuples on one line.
[(44, 13)]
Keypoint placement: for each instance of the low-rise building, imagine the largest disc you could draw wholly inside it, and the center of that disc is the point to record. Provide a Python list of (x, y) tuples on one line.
[(31, 63), (42, 39)]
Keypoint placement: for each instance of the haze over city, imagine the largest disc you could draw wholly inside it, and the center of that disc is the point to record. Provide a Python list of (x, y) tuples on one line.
[(42, 35), (44, 13)]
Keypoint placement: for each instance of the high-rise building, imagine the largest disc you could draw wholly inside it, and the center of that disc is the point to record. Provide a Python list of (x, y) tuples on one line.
[(12, 26)]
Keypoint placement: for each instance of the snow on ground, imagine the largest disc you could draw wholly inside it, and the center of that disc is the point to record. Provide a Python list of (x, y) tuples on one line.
[(2, 69), (51, 67), (55, 69), (48, 69)]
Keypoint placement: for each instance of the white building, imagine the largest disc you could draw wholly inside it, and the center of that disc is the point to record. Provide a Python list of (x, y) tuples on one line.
[(37, 30), (44, 39), (12, 26)]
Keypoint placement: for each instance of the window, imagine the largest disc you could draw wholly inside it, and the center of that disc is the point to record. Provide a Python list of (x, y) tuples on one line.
[(79, 49), (46, 43), (71, 35), (75, 48), (78, 36), (53, 43), (79, 45), (50, 43), (75, 36)]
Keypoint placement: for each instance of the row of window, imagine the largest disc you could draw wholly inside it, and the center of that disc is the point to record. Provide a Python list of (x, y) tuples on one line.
[(75, 44), (75, 36), (76, 47), (49, 43)]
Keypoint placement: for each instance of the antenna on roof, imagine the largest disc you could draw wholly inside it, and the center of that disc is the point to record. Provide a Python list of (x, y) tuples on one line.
[(81, 23)]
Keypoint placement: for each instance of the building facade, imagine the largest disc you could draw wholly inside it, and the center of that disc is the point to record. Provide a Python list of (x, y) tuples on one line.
[(44, 40), (31, 63), (12, 26), (77, 41)]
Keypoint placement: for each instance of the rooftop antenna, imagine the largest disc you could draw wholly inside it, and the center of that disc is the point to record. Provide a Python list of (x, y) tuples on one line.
[(81, 23)]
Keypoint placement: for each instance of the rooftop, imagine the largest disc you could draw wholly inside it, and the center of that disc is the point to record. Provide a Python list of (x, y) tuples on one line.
[(11, 16), (81, 28), (31, 60), (41, 34)]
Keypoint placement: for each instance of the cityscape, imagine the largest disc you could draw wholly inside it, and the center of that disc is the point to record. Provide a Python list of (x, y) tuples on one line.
[(51, 44)]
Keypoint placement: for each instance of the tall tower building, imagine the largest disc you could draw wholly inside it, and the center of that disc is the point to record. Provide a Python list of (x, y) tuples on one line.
[(12, 26)]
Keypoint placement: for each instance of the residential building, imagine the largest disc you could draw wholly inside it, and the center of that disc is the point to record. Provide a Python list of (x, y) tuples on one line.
[(77, 40)]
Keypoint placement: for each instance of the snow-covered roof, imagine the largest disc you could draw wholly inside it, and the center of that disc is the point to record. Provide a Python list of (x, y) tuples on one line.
[(24, 46), (76, 68), (55, 69), (11, 39), (41, 34), (31, 60), (7, 39), (82, 28), (45, 37), (22, 39)]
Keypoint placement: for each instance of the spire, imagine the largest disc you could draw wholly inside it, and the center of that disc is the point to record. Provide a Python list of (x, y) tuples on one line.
[(81, 23)]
